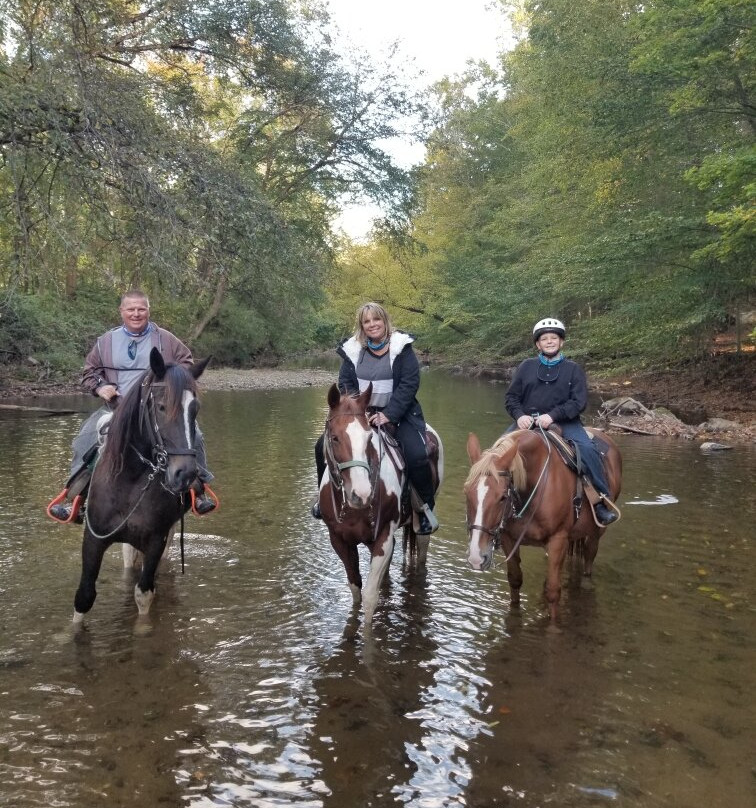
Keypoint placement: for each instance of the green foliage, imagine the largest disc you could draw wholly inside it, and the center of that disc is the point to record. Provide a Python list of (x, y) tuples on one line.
[(606, 176), (198, 150), (49, 331)]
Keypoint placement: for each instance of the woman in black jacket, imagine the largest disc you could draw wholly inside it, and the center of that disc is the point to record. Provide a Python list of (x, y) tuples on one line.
[(383, 356)]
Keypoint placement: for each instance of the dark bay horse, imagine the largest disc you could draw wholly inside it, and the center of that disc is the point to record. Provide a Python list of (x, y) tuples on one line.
[(521, 492), (141, 478), (361, 494)]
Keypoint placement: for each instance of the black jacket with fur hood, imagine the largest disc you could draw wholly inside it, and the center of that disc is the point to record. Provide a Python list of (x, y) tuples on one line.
[(403, 404)]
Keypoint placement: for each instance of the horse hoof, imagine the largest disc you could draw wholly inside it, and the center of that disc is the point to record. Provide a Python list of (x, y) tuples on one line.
[(351, 628), (143, 627), (553, 629)]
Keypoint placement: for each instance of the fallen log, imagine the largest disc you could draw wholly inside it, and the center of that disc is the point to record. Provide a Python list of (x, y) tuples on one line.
[(41, 411), (631, 429)]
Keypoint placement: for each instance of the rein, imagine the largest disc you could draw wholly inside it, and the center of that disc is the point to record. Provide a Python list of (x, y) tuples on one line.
[(337, 480), (508, 511), (160, 453)]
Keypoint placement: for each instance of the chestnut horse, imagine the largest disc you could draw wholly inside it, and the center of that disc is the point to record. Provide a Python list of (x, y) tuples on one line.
[(361, 494), (140, 481), (521, 492)]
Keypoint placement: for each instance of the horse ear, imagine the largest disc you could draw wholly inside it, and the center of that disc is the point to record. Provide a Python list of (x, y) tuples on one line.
[(157, 363), (473, 448), (365, 396), (334, 396), (198, 368)]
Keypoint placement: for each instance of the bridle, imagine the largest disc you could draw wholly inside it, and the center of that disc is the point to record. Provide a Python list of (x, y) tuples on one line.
[(509, 511), (148, 423), (161, 452), (335, 468)]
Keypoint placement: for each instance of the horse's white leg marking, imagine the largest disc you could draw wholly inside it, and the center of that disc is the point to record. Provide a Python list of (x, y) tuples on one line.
[(129, 554), (359, 477), (378, 566), (356, 595), (474, 556), (143, 599), (186, 400), (78, 618)]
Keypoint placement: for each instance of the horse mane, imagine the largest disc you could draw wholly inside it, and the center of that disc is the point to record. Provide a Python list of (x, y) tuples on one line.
[(487, 465), (125, 425), (349, 400)]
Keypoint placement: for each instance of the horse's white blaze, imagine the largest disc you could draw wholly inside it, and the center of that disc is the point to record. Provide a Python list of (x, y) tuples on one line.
[(186, 401), (474, 556), (360, 477)]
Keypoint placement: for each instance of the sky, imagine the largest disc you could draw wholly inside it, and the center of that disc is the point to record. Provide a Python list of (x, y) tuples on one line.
[(440, 35)]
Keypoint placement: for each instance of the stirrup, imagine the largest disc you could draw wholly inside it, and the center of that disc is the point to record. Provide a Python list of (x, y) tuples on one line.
[(75, 506), (430, 518), (209, 491)]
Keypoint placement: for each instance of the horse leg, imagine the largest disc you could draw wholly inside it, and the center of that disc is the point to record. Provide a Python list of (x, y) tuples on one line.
[(144, 591), (92, 551), (590, 549), (380, 560), (415, 546), (351, 561), (130, 556), (423, 543), (557, 550), (514, 576)]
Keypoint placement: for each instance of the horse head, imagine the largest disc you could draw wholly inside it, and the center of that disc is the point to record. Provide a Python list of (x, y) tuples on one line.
[(168, 414), (154, 426), (488, 490), (349, 451)]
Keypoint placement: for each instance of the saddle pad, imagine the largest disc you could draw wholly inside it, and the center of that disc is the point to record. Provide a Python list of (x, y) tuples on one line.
[(564, 448), (392, 449)]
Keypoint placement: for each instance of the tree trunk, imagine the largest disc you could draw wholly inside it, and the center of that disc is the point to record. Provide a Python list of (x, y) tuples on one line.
[(212, 312)]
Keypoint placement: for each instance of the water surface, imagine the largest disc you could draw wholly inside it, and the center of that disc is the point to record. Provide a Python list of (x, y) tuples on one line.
[(246, 693)]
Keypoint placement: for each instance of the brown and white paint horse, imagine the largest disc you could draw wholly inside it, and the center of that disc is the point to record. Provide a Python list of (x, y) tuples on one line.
[(361, 495), (520, 492)]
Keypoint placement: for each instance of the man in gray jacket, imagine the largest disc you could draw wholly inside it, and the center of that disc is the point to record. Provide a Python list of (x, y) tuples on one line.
[(112, 367)]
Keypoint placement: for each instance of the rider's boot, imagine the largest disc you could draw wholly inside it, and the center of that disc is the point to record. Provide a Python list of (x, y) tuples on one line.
[(604, 514), (421, 478), (62, 511), (315, 509), (203, 503), (427, 522), (74, 496)]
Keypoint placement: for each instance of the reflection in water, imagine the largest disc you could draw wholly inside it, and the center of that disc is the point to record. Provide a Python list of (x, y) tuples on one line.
[(245, 692)]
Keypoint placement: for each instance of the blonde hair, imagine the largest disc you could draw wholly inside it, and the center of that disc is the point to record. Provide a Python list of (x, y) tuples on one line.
[(378, 311)]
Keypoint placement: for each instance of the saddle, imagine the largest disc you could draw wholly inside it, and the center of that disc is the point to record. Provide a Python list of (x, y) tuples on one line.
[(569, 453), (393, 449)]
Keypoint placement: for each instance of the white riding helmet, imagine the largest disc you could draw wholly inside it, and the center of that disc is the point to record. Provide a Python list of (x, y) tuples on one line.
[(548, 325)]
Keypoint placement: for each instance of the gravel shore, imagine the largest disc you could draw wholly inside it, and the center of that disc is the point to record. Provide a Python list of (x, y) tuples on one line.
[(264, 378)]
